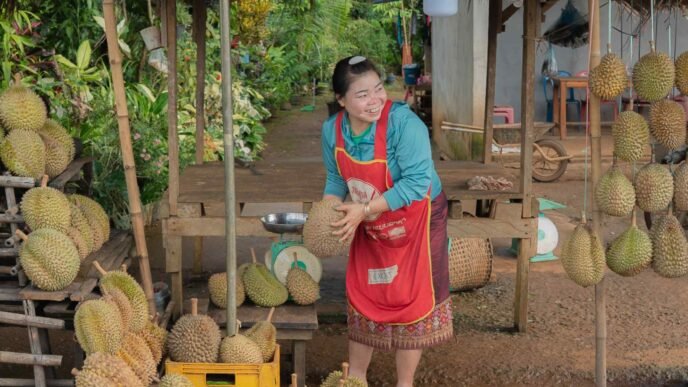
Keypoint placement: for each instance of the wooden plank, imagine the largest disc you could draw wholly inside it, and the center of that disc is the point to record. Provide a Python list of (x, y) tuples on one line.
[(299, 360), (17, 182), (491, 228), (8, 218), (199, 30), (172, 136), (30, 359), (173, 265), (13, 382), (494, 26), (508, 12), (184, 210), (214, 227), (62, 310), (10, 294), (287, 316), (261, 209), (455, 210), (32, 321), (36, 356), (69, 173)]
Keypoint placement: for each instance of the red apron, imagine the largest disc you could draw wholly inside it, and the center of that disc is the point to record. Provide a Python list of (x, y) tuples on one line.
[(389, 274)]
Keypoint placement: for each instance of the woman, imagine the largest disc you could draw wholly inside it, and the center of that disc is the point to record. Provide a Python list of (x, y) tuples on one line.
[(397, 277)]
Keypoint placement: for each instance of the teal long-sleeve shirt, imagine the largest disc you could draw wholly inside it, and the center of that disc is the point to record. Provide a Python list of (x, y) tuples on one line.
[(409, 157)]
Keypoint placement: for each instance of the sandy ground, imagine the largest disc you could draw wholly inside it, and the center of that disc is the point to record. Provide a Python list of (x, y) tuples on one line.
[(647, 340)]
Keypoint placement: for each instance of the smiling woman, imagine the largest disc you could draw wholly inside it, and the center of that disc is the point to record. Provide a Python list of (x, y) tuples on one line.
[(397, 279)]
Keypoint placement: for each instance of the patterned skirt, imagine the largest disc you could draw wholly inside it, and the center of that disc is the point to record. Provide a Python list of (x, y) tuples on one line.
[(437, 327)]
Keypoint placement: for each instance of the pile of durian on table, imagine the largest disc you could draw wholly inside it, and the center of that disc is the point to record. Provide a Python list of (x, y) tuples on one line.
[(32, 144), (65, 229), (255, 281), (661, 190)]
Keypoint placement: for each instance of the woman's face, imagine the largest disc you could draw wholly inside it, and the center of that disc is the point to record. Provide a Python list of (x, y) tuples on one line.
[(365, 99)]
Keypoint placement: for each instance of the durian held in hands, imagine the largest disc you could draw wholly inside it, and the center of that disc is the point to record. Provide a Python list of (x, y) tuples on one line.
[(302, 287), (194, 338), (49, 258), (239, 349), (317, 231), (261, 285)]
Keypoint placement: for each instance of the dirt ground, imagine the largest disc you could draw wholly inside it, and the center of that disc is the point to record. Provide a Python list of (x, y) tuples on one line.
[(647, 343)]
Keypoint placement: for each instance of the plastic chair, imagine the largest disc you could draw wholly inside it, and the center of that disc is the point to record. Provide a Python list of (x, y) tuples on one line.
[(612, 102), (550, 104)]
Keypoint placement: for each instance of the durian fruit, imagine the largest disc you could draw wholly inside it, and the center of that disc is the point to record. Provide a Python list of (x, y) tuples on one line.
[(302, 288), (49, 258), (631, 252), (262, 287), (59, 147), (654, 187), (317, 231), (46, 207), (217, 287), (80, 227), (21, 108), (155, 338), (609, 79), (668, 123), (96, 217), (125, 283), (342, 378), (138, 357), (682, 73), (631, 136), (98, 327), (653, 76), (583, 257), (117, 298), (239, 349), (614, 193), (681, 187), (175, 380), (194, 338), (669, 247), (23, 153), (102, 370), (264, 334)]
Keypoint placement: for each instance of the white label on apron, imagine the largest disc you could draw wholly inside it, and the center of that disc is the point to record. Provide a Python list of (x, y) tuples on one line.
[(382, 276)]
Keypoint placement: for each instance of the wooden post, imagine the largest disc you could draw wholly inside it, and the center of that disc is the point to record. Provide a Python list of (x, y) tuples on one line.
[(228, 142), (38, 360), (172, 138), (494, 26), (127, 150), (531, 26), (199, 19), (596, 145)]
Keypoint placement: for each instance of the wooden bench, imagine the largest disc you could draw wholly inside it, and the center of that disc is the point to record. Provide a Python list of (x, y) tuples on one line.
[(293, 322)]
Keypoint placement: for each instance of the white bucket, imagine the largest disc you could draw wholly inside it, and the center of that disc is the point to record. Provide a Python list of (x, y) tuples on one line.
[(440, 7)]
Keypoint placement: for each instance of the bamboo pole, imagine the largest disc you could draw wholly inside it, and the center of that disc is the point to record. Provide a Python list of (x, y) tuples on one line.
[(127, 151), (228, 140), (199, 29), (596, 145), (30, 359), (172, 138), (31, 321)]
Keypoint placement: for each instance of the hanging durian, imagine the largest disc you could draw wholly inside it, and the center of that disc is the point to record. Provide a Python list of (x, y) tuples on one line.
[(681, 187), (631, 136), (682, 73), (609, 79), (654, 187), (669, 247), (583, 256), (668, 123), (631, 252), (653, 75), (614, 193)]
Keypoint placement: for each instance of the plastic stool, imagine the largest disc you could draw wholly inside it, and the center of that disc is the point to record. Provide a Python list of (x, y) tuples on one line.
[(504, 111)]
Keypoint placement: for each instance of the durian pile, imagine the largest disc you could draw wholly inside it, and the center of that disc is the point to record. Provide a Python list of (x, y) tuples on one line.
[(32, 144), (123, 345), (65, 229), (255, 282)]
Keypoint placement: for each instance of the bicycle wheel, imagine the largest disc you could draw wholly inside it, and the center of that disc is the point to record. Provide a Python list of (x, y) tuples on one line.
[(545, 170)]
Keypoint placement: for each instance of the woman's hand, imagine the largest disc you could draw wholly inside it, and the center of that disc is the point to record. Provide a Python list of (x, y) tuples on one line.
[(353, 216)]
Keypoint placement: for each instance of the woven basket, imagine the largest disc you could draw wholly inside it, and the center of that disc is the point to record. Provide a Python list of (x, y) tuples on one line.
[(470, 263)]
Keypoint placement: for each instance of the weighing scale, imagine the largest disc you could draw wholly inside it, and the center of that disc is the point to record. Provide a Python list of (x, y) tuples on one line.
[(280, 257), (548, 235)]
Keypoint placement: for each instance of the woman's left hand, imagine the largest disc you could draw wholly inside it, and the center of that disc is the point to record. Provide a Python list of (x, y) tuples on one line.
[(353, 216)]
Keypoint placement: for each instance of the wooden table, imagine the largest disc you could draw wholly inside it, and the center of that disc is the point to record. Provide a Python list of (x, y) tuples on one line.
[(561, 88), (294, 323)]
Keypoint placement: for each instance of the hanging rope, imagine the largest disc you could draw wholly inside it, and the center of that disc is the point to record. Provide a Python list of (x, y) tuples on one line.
[(609, 27), (652, 20)]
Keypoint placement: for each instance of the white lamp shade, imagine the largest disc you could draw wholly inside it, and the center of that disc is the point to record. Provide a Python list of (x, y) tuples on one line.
[(440, 7)]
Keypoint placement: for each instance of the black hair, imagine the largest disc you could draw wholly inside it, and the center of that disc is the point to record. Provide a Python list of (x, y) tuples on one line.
[(344, 73)]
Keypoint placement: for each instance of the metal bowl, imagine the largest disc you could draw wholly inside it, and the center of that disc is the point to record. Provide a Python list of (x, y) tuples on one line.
[(284, 222)]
